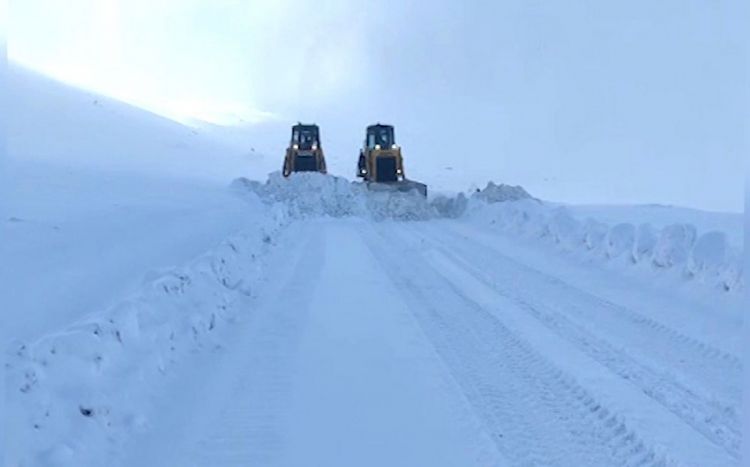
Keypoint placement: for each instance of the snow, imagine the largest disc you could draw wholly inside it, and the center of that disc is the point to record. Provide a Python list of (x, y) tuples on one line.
[(308, 397), (679, 248), (97, 199), (75, 400), (494, 193), (314, 194), (674, 245), (56, 123), (620, 240), (85, 237), (166, 315), (659, 216)]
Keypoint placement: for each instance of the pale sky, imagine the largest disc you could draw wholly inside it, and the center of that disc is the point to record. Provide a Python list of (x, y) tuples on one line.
[(582, 101)]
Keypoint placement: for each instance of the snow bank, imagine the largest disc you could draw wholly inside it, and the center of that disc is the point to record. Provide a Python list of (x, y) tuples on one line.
[(85, 237), (312, 194), (707, 258), (454, 207), (74, 396), (493, 193), (661, 216)]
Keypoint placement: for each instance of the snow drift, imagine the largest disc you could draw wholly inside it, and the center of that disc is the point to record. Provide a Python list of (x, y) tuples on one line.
[(494, 193), (313, 194), (93, 193), (707, 258), (68, 401), (704, 257)]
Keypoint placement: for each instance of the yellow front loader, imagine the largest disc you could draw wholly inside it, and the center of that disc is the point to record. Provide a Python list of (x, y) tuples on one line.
[(381, 164), (304, 154)]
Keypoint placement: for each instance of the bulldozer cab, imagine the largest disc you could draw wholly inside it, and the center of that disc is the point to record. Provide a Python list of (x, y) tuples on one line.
[(381, 163), (380, 159), (304, 153), (306, 137), (380, 136)]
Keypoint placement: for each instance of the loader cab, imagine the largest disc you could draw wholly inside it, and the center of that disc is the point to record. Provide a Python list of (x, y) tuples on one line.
[(306, 137), (304, 153), (380, 159), (380, 137)]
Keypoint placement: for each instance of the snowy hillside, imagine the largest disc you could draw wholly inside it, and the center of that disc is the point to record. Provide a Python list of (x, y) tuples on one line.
[(94, 194), (170, 305), (56, 123)]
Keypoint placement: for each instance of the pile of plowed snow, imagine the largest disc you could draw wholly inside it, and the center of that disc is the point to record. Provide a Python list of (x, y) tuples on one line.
[(313, 194), (707, 257), (76, 395), (455, 206), (494, 193)]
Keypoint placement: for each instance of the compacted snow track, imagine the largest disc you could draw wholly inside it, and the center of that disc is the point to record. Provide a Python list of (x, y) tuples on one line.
[(613, 422), (330, 370), (696, 381), (407, 344)]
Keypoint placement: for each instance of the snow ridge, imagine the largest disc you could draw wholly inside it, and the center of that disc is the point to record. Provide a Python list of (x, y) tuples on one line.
[(312, 194), (707, 258), (67, 392)]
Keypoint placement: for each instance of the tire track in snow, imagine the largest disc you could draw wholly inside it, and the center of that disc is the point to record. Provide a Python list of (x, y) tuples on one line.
[(249, 428), (712, 359), (537, 414), (717, 421)]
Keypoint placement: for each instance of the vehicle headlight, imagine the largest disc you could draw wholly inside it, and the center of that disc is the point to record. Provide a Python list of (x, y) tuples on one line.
[(395, 146), (377, 146), (295, 146), (315, 146)]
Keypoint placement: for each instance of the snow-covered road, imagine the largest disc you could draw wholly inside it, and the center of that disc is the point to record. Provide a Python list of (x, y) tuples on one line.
[(156, 317), (421, 344)]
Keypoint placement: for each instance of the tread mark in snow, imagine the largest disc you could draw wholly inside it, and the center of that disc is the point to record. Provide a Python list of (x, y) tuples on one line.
[(248, 430), (715, 420), (532, 408)]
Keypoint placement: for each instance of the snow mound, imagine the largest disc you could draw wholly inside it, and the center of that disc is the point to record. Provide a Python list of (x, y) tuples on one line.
[(312, 194), (713, 258), (68, 404), (493, 193), (706, 258), (452, 207), (674, 245), (455, 206), (620, 240), (645, 243)]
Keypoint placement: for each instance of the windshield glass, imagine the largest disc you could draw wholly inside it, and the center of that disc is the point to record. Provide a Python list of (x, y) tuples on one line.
[(382, 136), (305, 137)]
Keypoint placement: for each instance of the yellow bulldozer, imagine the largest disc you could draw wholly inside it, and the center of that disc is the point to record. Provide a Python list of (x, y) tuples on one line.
[(381, 164), (304, 154)]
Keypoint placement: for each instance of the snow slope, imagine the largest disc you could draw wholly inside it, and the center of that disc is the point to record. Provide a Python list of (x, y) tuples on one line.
[(67, 387), (57, 123), (94, 194)]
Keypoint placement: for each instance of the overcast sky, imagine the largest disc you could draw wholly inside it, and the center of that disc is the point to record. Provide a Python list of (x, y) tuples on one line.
[(585, 101)]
